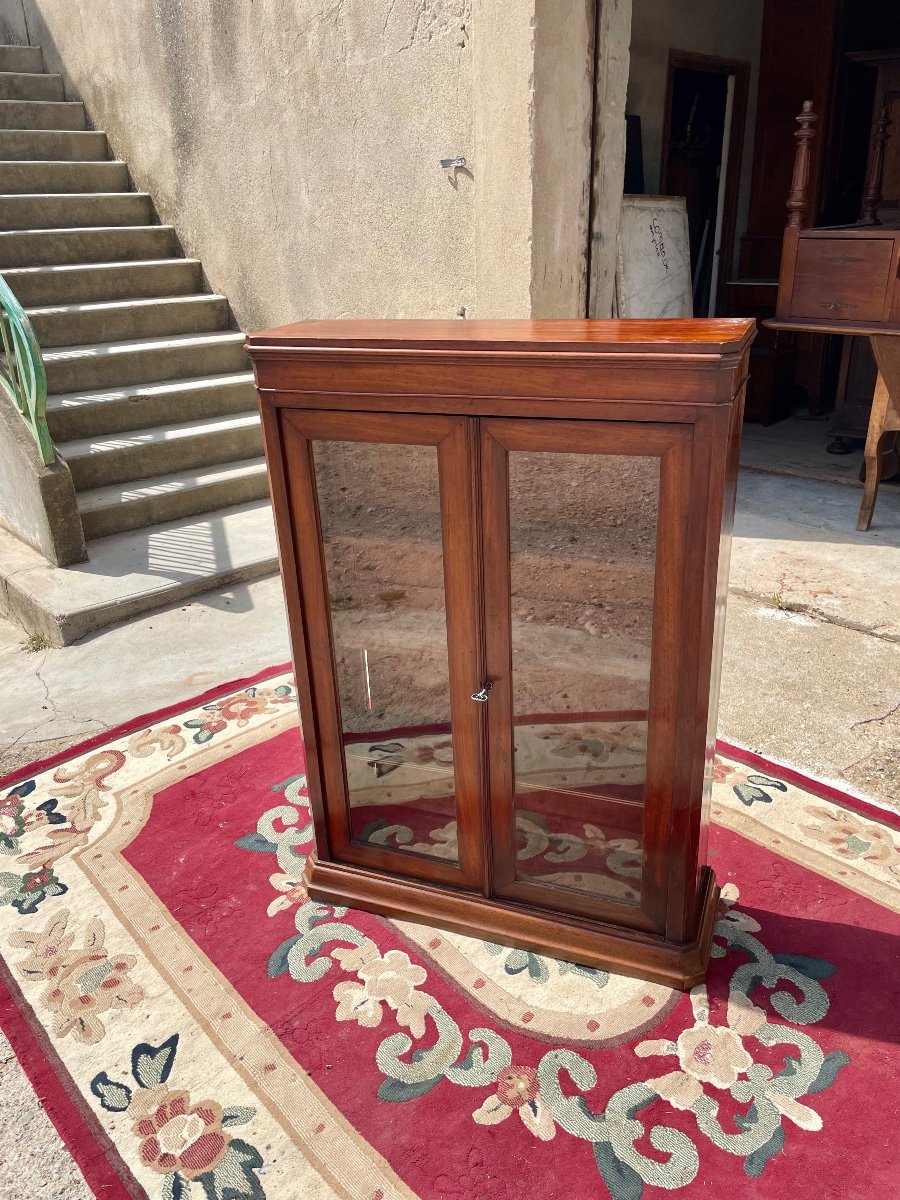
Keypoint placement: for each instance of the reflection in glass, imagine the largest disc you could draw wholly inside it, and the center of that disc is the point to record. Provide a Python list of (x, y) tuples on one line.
[(582, 555), (381, 529)]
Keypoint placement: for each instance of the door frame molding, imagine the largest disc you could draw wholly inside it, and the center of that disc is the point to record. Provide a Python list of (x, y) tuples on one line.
[(451, 436), (740, 69), (672, 445)]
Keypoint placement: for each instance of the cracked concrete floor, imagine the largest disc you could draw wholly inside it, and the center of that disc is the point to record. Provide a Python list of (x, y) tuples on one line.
[(811, 677), (55, 697)]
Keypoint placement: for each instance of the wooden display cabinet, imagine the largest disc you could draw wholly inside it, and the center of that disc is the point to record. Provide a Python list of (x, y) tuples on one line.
[(504, 548)]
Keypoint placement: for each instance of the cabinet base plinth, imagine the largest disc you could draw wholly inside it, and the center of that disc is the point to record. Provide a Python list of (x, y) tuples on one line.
[(625, 952)]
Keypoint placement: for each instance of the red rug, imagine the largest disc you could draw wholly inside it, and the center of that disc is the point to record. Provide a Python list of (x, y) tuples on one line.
[(199, 1030)]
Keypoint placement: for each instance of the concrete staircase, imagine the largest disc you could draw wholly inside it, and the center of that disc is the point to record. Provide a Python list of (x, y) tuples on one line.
[(151, 397)]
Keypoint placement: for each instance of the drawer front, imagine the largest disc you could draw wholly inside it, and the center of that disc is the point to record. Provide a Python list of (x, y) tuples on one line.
[(841, 279)]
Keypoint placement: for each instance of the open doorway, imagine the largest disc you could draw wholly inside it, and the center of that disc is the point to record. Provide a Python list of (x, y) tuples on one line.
[(706, 108)]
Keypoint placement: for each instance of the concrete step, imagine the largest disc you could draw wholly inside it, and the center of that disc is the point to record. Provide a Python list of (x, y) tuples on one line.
[(30, 85), (21, 58), (135, 572), (152, 360), (142, 453), (42, 114), (53, 145), (35, 177), (76, 415), (59, 211), (118, 320), (45, 247), (92, 282), (108, 510)]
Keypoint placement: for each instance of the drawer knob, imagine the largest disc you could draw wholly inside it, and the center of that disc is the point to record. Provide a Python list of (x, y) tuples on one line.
[(482, 695), (836, 304)]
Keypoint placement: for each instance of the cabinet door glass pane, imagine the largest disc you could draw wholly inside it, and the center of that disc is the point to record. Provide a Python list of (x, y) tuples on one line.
[(582, 551), (381, 527)]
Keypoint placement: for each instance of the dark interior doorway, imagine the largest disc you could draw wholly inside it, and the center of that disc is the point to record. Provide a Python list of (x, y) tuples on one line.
[(706, 108)]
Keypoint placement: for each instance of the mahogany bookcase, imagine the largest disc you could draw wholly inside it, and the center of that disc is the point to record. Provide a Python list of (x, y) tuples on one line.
[(504, 547)]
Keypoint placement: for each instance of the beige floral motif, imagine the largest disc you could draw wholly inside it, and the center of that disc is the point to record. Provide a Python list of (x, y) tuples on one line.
[(80, 790), (717, 1055), (355, 1004), (241, 707), (392, 979), (292, 892), (579, 741), (352, 958), (849, 836), (518, 1091), (435, 752), (596, 837), (444, 843), (83, 982), (724, 771), (164, 738), (88, 778)]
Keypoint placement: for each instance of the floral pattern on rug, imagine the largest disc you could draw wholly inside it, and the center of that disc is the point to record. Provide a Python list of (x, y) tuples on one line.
[(741, 1071), (850, 837), (184, 1142), (84, 986), (721, 1054), (236, 711), (83, 982), (850, 848)]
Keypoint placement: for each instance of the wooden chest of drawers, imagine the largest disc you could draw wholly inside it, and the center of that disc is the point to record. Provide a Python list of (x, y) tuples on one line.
[(840, 277)]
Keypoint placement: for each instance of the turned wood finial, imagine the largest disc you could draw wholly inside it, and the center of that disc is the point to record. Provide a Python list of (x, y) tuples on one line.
[(868, 214), (797, 198)]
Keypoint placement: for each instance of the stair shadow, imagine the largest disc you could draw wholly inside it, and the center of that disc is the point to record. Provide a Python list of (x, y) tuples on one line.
[(207, 552)]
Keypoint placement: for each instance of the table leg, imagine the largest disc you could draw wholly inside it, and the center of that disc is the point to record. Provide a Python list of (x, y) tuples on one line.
[(884, 418)]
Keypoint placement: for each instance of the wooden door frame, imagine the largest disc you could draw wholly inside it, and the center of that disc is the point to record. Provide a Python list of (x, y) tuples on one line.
[(672, 446), (740, 69), (451, 437)]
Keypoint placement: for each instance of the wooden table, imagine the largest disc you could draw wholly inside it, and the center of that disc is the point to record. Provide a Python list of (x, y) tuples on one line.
[(884, 418), (846, 279)]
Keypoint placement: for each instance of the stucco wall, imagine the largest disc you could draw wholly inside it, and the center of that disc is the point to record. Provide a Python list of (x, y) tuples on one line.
[(37, 502), (563, 90), (13, 31), (295, 146), (532, 99), (730, 30)]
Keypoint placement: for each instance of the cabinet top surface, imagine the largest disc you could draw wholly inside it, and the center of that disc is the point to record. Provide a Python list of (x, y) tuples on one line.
[(709, 337)]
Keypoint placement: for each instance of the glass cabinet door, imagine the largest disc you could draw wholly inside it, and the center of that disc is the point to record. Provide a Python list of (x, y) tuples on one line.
[(583, 530), (392, 498)]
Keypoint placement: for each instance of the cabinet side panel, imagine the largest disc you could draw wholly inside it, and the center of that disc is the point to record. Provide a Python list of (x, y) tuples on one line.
[(725, 539), (713, 473)]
